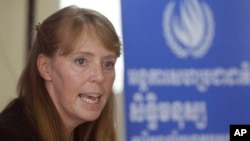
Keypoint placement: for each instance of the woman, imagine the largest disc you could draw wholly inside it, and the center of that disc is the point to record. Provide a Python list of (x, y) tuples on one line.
[(65, 88)]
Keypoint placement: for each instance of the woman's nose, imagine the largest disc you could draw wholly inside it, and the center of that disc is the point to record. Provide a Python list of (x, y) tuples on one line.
[(97, 73)]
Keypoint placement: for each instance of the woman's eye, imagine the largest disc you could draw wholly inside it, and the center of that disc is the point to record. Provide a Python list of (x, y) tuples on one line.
[(109, 65), (80, 61)]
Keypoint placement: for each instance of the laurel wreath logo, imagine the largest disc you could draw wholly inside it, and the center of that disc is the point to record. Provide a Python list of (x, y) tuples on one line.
[(189, 31)]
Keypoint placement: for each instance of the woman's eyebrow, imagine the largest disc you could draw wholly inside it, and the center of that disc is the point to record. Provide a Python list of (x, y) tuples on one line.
[(87, 53), (83, 53)]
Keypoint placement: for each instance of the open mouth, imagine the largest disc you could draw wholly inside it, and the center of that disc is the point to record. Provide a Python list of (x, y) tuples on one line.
[(90, 98)]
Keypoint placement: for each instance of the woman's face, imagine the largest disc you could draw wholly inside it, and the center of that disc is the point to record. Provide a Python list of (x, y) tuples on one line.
[(80, 83)]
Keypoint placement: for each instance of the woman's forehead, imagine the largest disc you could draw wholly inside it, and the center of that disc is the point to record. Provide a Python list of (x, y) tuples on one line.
[(89, 43), (88, 34)]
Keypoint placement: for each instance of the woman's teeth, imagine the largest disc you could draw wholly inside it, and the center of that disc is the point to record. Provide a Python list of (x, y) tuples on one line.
[(91, 99)]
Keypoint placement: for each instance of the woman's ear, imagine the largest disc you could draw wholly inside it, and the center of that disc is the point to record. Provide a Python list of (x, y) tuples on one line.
[(43, 65)]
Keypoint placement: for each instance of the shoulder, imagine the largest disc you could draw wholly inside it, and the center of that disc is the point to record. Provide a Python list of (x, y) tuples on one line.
[(14, 126), (9, 134), (10, 130)]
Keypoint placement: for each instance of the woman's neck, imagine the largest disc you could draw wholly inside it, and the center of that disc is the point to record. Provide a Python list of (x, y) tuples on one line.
[(70, 135)]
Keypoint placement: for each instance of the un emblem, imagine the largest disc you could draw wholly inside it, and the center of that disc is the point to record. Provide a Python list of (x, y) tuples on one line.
[(188, 28)]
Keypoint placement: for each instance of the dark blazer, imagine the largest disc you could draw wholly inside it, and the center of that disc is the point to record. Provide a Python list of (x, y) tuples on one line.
[(15, 124)]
